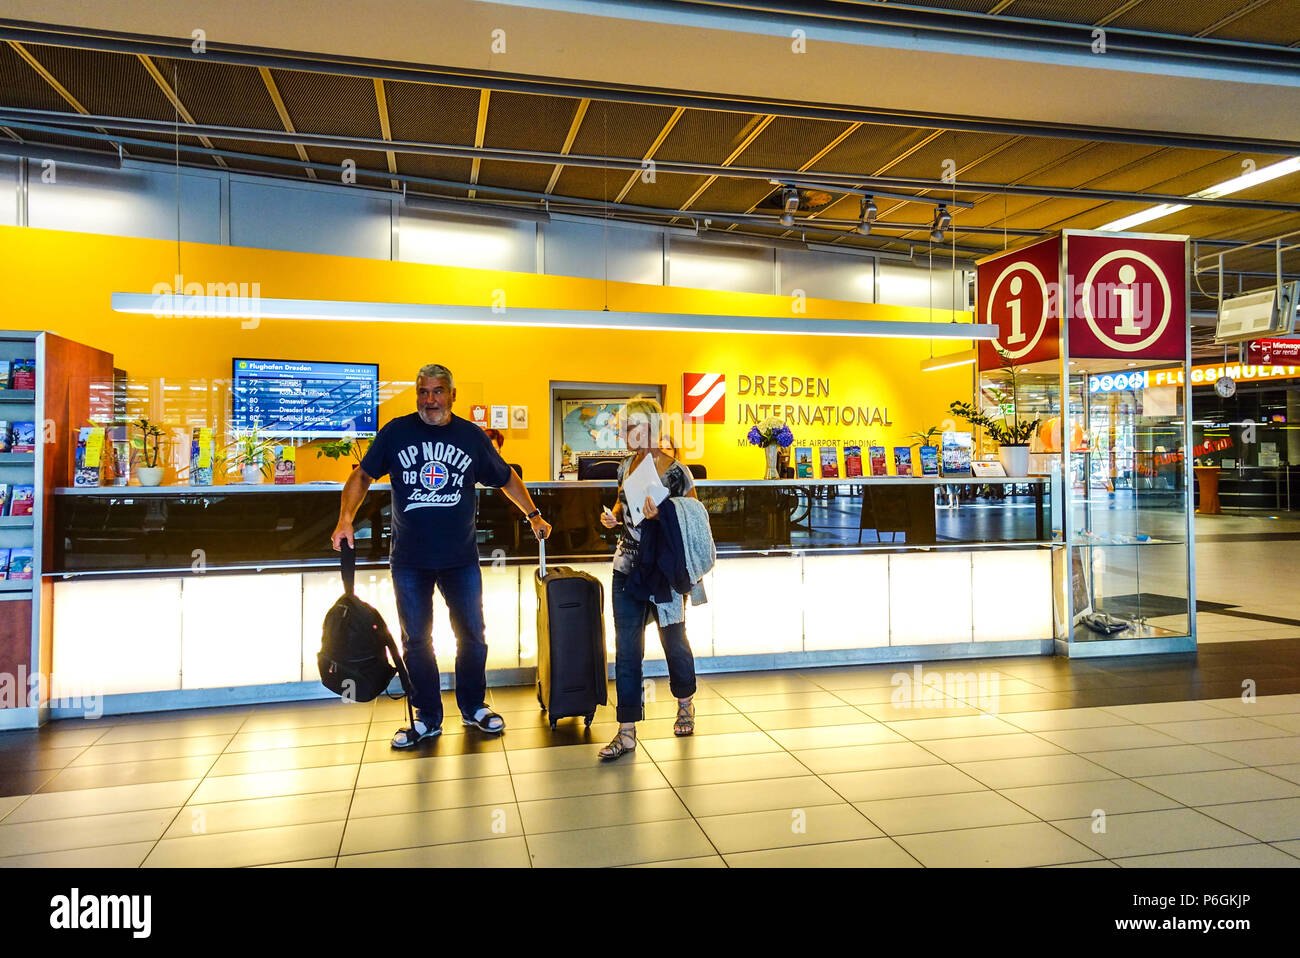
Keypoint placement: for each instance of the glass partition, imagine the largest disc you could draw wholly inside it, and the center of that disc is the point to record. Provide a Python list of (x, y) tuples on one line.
[(1129, 503)]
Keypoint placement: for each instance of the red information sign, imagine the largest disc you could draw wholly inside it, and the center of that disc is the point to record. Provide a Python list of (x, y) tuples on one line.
[(1127, 296), (1266, 352), (1017, 291)]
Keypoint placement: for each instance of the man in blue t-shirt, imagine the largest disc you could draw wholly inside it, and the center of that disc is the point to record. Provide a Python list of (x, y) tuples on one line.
[(434, 459)]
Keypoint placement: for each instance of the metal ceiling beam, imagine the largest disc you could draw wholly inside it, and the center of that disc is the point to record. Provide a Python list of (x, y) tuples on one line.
[(947, 24), (273, 91), (20, 117), (480, 127), (844, 134), (574, 126), (51, 80), (551, 200), (381, 104), (755, 127), (152, 69), (650, 150), (21, 32)]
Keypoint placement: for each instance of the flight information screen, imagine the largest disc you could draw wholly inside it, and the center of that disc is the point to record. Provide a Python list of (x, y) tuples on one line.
[(291, 398)]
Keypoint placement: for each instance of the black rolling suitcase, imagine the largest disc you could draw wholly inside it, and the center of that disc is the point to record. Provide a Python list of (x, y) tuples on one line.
[(570, 641)]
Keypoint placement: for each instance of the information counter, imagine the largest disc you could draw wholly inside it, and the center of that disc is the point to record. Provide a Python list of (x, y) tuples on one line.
[(187, 596)]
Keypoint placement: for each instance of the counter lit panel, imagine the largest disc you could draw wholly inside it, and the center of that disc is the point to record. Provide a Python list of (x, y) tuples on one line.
[(757, 606), (1011, 594), (845, 602), (321, 590), (116, 637)]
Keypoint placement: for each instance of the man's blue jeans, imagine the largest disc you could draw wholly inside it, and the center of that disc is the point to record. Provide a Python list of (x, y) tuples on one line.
[(631, 615), (462, 590)]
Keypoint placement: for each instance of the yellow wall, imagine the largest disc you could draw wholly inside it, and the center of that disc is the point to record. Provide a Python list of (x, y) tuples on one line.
[(61, 281)]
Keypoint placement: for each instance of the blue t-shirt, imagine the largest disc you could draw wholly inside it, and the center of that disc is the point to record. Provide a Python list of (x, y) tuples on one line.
[(433, 470)]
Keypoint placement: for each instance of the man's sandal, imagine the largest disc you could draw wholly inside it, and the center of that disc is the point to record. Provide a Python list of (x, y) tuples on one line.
[(414, 734), (685, 724), (486, 720), (619, 746)]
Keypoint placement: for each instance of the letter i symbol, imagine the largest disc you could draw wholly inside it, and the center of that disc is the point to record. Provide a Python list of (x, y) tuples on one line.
[(1017, 334), (1127, 274)]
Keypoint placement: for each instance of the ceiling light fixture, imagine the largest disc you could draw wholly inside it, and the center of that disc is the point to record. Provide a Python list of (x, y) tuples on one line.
[(872, 192), (171, 306), (1227, 187), (789, 205), (942, 220), (867, 213), (964, 358)]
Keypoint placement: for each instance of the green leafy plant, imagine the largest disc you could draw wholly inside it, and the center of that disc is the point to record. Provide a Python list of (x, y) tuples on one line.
[(924, 437), (1007, 430), (252, 448), (147, 442), (337, 449)]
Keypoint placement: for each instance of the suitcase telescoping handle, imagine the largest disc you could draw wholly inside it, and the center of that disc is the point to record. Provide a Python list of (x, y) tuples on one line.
[(541, 557), (348, 566)]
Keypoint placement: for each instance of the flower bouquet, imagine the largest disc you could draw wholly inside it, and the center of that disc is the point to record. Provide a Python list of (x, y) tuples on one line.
[(773, 435)]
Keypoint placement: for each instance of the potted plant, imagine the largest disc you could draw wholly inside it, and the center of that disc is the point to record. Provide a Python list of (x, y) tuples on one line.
[(342, 448), (147, 443), (252, 455), (924, 437), (1010, 432), (773, 435)]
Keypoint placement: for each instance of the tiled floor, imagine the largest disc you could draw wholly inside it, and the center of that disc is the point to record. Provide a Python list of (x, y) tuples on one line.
[(1130, 762)]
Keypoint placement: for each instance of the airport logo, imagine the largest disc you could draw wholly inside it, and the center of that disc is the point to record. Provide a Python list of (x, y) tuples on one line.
[(704, 397), (433, 476)]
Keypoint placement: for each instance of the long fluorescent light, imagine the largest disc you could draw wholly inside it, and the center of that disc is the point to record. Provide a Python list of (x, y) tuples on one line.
[(964, 358), (244, 307), (1227, 187), (471, 208), (62, 154)]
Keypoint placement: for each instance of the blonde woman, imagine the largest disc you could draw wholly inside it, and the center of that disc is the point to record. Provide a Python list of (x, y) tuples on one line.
[(641, 432)]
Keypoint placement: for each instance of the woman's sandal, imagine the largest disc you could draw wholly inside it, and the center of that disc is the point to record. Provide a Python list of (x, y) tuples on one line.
[(619, 746), (685, 724)]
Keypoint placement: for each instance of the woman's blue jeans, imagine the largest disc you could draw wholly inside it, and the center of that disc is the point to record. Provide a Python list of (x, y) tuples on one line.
[(630, 618)]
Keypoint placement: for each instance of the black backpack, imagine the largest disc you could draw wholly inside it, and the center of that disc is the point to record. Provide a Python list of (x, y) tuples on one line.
[(356, 646)]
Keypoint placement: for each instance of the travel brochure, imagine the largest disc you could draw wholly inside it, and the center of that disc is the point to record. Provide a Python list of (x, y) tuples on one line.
[(929, 460), (17, 374), (203, 450), (956, 453), (952, 459), (17, 500), (903, 460), (90, 454), (879, 464), (803, 463), (852, 462), (830, 462), (16, 563)]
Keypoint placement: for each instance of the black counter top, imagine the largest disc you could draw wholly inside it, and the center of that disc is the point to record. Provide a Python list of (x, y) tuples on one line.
[(128, 530)]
